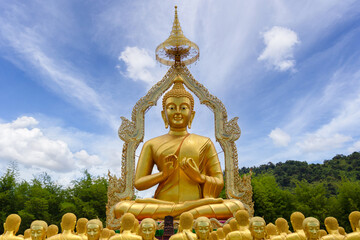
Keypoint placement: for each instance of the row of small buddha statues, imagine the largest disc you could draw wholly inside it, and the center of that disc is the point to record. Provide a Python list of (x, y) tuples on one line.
[(241, 227)]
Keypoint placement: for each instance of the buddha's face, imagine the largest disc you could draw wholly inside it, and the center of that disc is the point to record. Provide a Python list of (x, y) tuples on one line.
[(37, 232), (203, 230), (312, 230), (93, 231), (178, 113), (147, 231), (258, 230)]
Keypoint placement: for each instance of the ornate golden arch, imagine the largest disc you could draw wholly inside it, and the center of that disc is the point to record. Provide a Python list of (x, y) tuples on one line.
[(132, 133)]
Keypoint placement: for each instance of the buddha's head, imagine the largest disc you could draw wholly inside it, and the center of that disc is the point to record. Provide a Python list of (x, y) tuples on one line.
[(178, 107), (242, 218), (257, 227), (93, 229), (68, 222), (296, 219), (354, 218), (282, 225), (38, 230), (127, 222), (12, 223), (332, 225), (147, 229), (311, 228), (270, 230), (202, 228), (105, 234), (81, 225), (186, 221), (52, 230)]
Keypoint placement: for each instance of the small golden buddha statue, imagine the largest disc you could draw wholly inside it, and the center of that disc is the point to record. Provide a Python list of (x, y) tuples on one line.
[(220, 233), (67, 224), (189, 177), (147, 229), (127, 223), (342, 231), (332, 227), (271, 232), (105, 234), (52, 231), (296, 219), (81, 228), (234, 225), (311, 228), (203, 228), (94, 228), (257, 228), (27, 234), (242, 218), (214, 236), (11, 226), (282, 227), (185, 228), (354, 218), (226, 229), (38, 230)]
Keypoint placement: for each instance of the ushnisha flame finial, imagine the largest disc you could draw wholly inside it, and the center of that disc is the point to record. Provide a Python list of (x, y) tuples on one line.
[(177, 48)]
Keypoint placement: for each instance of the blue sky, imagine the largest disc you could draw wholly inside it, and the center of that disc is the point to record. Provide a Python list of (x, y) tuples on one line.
[(69, 69)]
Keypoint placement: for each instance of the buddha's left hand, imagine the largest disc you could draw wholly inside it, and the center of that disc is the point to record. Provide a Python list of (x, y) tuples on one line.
[(192, 170)]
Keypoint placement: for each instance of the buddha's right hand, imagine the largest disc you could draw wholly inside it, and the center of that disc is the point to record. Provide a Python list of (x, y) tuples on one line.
[(169, 166)]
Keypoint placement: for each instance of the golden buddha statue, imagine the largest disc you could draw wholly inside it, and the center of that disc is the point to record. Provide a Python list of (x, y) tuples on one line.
[(203, 228), (147, 229), (242, 218), (257, 228), (27, 234), (332, 227), (234, 225), (189, 177), (185, 228), (311, 228), (282, 227), (127, 223), (354, 218), (271, 232), (67, 224), (11, 226), (38, 230), (296, 219), (94, 228), (227, 229), (105, 234), (52, 231), (81, 228), (220, 233)]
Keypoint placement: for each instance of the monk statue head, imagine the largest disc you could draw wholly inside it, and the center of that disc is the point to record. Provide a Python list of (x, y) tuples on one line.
[(203, 228), (27, 233), (178, 107), (52, 230), (105, 234), (296, 219), (214, 236), (234, 225), (186, 221), (270, 230), (127, 222), (227, 229), (354, 218), (93, 229), (68, 222), (257, 227), (81, 225), (332, 225), (342, 231), (282, 226), (12, 223), (311, 228), (38, 230), (147, 229), (220, 233), (242, 218)]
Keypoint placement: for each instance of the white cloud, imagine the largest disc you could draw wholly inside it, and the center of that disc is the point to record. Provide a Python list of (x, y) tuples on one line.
[(279, 48), (279, 137), (139, 64), (26, 144), (319, 143), (355, 147)]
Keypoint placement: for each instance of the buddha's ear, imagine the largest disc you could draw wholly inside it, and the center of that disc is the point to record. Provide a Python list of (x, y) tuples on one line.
[(163, 115), (191, 119)]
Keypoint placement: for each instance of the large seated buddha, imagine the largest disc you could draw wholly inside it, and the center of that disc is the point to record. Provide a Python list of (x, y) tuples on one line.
[(189, 175)]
